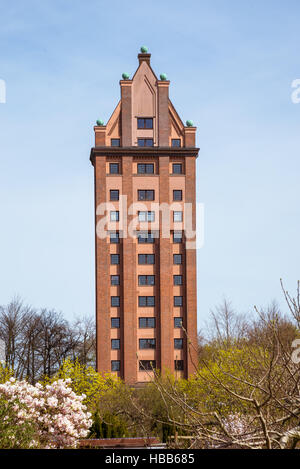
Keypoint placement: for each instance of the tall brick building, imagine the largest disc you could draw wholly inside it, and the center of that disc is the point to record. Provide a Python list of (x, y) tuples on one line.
[(144, 165)]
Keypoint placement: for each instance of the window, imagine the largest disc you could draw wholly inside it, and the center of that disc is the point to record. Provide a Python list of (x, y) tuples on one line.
[(115, 259), (115, 279), (145, 142), (147, 168), (178, 301), (146, 280), (114, 194), (177, 216), (114, 168), (177, 195), (114, 215), (146, 300), (115, 344), (176, 142), (115, 365), (147, 343), (177, 237), (177, 168), (178, 365), (114, 237), (115, 323), (177, 323), (177, 279), (146, 216), (177, 259), (115, 301), (147, 365), (145, 195), (178, 343), (145, 123), (115, 142), (147, 323), (145, 238), (146, 259)]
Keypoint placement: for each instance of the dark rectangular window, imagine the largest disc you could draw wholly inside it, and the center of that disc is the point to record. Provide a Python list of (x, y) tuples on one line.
[(145, 142), (145, 195), (178, 301), (177, 216), (146, 300), (146, 280), (178, 343), (115, 279), (147, 365), (114, 195), (145, 168), (177, 195), (115, 142), (146, 259), (176, 142), (177, 168), (115, 365), (145, 238), (177, 259), (177, 279), (115, 259), (114, 237), (147, 323), (115, 323), (115, 301), (114, 168), (114, 215), (178, 365), (177, 323), (145, 123), (177, 237), (147, 343), (115, 344), (146, 216)]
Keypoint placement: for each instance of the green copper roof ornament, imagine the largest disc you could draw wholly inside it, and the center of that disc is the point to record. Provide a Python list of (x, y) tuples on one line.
[(163, 76), (189, 123), (144, 49), (100, 123), (125, 76)]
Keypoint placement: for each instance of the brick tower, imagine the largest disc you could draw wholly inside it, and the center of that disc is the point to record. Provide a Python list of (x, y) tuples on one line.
[(144, 166)]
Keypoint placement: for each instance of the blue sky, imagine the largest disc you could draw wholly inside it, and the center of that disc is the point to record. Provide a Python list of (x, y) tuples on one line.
[(231, 65)]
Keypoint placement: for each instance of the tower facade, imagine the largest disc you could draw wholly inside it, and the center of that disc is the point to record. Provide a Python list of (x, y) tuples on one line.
[(144, 162)]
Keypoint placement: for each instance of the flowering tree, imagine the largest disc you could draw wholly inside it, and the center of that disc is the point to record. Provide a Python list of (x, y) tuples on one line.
[(56, 415)]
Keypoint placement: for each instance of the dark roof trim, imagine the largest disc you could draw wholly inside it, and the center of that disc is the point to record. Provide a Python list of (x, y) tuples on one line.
[(147, 151)]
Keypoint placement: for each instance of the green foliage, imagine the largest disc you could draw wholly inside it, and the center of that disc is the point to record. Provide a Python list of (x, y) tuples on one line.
[(5, 373), (12, 435), (85, 380), (110, 426)]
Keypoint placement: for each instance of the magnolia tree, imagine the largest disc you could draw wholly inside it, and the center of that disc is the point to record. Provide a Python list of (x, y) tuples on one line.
[(57, 415)]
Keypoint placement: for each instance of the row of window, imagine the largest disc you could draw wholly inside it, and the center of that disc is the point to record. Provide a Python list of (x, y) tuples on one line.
[(147, 365), (145, 142), (145, 237), (146, 323), (146, 216), (145, 259), (146, 344), (145, 168), (145, 280), (145, 195), (146, 301)]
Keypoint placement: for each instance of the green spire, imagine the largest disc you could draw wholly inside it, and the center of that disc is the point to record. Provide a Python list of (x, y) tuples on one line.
[(100, 122), (125, 76), (189, 123), (163, 76), (144, 49)]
